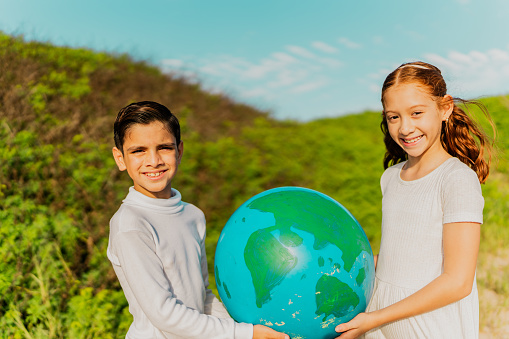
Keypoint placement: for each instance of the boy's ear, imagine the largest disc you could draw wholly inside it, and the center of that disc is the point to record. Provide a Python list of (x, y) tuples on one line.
[(119, 159), (180, 149)]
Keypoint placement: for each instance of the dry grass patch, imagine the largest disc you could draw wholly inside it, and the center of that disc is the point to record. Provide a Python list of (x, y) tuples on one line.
[(493, 280)]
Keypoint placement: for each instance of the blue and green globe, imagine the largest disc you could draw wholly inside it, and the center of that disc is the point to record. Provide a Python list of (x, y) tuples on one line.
[(295, 260)]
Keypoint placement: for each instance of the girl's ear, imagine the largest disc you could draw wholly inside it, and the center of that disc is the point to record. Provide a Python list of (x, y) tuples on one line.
[(119, 159), (447, 107)]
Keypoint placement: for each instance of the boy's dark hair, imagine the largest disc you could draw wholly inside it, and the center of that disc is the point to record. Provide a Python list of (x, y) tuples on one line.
[(143, 112)]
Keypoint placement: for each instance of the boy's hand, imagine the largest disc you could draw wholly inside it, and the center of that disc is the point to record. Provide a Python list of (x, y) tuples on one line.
[(264, 332)]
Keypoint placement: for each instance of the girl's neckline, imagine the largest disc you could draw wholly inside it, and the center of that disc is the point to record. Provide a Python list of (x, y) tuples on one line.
[(409, 182)]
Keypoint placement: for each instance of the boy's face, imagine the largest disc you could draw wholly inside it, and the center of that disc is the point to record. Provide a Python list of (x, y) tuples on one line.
[(151, 158)]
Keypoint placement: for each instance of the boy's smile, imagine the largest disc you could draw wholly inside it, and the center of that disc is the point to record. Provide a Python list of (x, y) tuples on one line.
[(151, 158)]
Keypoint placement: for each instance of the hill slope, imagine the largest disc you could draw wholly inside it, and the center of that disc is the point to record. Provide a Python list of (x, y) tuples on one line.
[(59, 185)]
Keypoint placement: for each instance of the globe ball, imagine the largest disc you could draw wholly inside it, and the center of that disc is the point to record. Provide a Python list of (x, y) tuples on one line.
[(295, 260)]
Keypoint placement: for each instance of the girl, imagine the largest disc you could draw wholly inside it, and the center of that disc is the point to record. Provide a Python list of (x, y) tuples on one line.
[(431, 213)]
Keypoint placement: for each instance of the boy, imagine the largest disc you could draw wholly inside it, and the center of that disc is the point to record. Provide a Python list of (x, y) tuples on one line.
[(157, 241)]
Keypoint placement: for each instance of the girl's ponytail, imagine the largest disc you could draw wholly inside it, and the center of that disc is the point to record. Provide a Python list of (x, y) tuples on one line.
[(463, 138)]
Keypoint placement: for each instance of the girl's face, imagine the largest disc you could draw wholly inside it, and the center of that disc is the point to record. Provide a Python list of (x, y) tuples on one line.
[(414, 119)]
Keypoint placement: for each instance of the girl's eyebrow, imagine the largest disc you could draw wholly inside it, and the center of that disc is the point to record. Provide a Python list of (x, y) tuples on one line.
[(410, 108), (418, 105)]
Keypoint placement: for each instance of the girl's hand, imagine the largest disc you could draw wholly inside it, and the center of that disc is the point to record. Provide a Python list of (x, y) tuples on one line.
[(264, 332), (355, 327)]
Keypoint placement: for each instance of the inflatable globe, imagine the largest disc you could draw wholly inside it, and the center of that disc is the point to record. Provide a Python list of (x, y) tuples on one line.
[(295, 260)]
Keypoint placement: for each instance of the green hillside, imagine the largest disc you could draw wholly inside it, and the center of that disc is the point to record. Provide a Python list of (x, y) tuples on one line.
[(59, 185)]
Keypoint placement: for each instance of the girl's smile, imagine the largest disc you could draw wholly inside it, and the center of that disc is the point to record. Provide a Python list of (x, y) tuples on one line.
[(413, 141)]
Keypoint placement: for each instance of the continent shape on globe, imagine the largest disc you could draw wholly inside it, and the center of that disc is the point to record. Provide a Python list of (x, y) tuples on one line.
[(296, 260)]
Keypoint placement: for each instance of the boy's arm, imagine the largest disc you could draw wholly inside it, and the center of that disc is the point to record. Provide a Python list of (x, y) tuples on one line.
[(212, 305), (150, 286)]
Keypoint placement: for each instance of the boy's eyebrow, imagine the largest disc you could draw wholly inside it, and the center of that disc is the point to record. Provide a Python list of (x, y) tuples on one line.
[(132, 148)]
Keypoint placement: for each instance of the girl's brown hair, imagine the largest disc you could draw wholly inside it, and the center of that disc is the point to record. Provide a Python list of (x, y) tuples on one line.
[(461, 137)]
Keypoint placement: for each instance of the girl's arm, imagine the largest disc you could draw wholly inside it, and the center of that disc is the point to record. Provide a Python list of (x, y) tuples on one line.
[(461, 246)]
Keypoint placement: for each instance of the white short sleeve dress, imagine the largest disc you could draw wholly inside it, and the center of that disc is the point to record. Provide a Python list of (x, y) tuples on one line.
[(411, 253)]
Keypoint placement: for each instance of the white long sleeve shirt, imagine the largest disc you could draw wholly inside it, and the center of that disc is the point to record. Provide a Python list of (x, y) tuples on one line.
[(157, 248)]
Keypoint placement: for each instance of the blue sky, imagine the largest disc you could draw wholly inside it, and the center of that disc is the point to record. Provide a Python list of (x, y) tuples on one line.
[(300, 60)]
